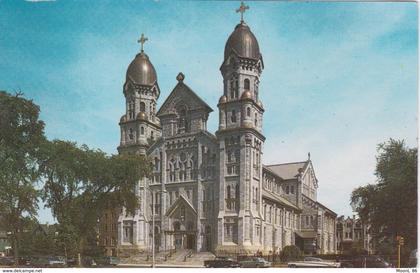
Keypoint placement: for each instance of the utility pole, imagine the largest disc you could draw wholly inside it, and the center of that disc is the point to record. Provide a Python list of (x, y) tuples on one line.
[(153, 232)]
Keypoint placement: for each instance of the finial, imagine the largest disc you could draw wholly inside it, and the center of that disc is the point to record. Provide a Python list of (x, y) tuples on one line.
[(142, 40), (180, 77), (309, 156), (242, 10)]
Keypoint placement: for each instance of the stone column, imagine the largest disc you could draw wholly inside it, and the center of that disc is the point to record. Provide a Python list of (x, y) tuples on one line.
[(199, 205)]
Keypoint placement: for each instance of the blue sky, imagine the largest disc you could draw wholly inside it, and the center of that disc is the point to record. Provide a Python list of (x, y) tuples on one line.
[(339, 78)]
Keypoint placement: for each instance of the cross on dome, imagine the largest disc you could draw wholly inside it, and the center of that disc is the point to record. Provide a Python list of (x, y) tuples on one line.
[(142, 40), (242, 10)]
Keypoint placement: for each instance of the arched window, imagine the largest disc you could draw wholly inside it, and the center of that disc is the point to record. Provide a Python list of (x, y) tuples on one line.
[(131, 109), (246, 84), (131, 135), (183, 120), (287, 189), (156, 164), (183, 212), (233, 117), (256, 119), (236, 88), (248, 111), (237, 156), (152, 136), (142, 107), (142, 130), (228, 192), (177, 226)]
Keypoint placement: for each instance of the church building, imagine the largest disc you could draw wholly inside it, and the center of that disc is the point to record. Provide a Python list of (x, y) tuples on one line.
[(211, 191)]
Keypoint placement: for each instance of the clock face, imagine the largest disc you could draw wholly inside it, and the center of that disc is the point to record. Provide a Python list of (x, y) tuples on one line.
[(183, 156)]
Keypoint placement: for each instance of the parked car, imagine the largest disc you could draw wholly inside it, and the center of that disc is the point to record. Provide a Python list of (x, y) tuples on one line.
[(71, 262), (221, 262), (370, 261), (412, 260), (254, 262), (7, 261), (48, 262), (313, 262), (107, 261)]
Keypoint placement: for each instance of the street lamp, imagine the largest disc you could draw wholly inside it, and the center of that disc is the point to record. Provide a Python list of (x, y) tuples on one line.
[(153, 224)]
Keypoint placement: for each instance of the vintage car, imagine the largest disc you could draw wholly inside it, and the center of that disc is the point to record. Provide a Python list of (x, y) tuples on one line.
[(370, 261), (221, 262), (9, 261), (107, 261), (313, 262), (254, 262), (48, 261)]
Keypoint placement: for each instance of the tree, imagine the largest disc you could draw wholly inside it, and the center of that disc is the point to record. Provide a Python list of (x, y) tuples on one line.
[(290, 253), (390, 205), (21, 136), (81, 183)]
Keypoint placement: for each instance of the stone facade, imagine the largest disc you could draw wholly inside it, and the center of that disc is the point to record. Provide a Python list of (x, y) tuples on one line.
[(353, 235), (211, 192)]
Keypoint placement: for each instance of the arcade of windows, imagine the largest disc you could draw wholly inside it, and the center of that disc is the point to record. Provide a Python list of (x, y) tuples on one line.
[(207, 203), (181, 169), (290, 189), (232, 164), (256, 154), (131, 109), (232, 198), (272, 184), (230, 230)]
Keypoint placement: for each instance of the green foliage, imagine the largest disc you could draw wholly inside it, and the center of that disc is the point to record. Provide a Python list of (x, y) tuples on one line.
[(21, 136), (290, 253), (390, 205), (81, 183)]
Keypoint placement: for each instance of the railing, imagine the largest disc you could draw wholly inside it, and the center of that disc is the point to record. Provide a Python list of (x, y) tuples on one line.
[(188, 255)]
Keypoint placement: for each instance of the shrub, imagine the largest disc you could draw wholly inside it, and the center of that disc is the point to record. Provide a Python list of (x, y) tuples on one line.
[(290, 253)]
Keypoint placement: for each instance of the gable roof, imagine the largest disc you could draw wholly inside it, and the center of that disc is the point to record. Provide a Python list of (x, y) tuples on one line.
[(182, 87), (181, 199), (287, 170)]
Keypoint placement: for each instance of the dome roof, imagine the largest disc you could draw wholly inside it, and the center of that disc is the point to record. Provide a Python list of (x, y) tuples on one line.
[(122, 119), (141, 116), (223, 99), (141, 70), (246, 95), (243, 42)]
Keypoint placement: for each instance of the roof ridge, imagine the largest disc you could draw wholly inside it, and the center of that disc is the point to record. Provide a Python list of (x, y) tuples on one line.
[(288, 163)]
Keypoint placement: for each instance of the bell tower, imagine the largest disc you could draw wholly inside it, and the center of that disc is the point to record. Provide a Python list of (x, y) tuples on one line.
[(140, 126), (241, 142)]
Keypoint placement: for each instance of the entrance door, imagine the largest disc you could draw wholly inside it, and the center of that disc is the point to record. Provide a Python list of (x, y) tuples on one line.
[(178, 241), (190, 241)]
